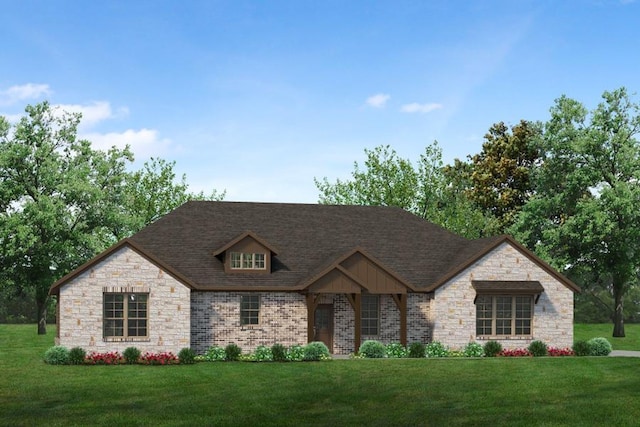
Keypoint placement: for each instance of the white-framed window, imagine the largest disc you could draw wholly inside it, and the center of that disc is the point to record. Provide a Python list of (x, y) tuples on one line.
[(125, 315), (250, 309), (248, 261)]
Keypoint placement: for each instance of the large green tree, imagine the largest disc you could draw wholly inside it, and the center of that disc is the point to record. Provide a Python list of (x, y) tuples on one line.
[(584, 217), (61, 201), (55, 199), (500, 173), (424, 189)]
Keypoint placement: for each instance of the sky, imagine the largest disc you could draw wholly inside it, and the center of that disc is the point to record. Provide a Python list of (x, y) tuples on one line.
[(258, 98)]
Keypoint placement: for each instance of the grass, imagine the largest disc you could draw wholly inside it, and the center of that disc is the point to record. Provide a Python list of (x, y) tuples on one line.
[(631, 341), (452, 392)]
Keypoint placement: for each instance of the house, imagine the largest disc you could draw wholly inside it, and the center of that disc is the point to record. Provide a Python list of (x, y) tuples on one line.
[(212, 273)]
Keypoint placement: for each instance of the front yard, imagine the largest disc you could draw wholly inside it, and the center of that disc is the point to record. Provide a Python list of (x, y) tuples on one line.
[(475, 392)]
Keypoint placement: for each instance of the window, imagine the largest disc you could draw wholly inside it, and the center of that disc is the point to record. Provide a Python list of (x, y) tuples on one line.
[(370, 314), (249, 309), (504, 315), (247, 261), (125, 315)]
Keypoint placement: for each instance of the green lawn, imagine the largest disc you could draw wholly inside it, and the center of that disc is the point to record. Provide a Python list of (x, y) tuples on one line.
[(631, 341), (433, 392)]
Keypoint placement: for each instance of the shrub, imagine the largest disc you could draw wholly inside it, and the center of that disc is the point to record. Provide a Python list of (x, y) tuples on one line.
[(492, 348), (416, 350), (165, 358), (396, 350), (232, 352), (77, 356), (436, 349), (372, 349), (316, 350), (263, 354), (516, 352), (279, 353), (57, 355), (108, 358), (131, 355), (553, 351), (600, 346), (538, 348), (473, 349), (215, 354), (295, 353), (187, 356), (582, 348)]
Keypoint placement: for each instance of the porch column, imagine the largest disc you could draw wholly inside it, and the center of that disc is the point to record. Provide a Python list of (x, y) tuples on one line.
[(401, 302), (312, 303), (356, 303)]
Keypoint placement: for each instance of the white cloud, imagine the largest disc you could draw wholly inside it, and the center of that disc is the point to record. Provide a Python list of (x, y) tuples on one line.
[(378, 100), (420, 108), (27, 91), (94, 113), (144, 142)]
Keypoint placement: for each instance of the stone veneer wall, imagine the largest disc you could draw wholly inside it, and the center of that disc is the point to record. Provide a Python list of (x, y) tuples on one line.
[(454, 313), (81, 309), (215, 317)]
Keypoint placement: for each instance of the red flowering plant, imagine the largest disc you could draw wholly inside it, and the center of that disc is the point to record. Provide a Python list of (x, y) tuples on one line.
[(516, 352), (108, 358), (554, 351), (166, 358)]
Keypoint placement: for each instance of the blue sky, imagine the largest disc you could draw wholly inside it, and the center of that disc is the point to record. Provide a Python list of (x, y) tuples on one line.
[(260, 97)]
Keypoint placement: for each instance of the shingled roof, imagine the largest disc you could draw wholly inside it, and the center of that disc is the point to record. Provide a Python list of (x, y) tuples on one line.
[(308, 239)]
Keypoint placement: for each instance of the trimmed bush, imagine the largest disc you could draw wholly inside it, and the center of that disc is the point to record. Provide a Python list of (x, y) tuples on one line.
[(295, 353), (581, 348), (600, 346), (232, 352), (215, 354), (263, 354), (372, 349), (279, 353), (473, 349), (187, 356), (538, 348), (131, 355), (57, 355), (77, 356), (396, 351), (436, 349), (492, 348), (316, 350), (416, 350)]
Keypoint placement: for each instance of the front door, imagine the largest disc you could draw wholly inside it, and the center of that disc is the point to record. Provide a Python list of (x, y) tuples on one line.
[(323, 328)]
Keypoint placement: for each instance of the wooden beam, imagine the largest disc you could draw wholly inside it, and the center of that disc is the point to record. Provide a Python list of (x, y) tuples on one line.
[(357, 310), (312, 303)]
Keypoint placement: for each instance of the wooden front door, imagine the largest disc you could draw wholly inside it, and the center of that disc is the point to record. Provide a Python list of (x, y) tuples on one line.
[(323, 328)]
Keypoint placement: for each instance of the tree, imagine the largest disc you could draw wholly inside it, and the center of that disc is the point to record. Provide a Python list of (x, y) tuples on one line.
[(151, 193), (500, 173), (55, 199), (61, 202), (425, 190), (584, 217)]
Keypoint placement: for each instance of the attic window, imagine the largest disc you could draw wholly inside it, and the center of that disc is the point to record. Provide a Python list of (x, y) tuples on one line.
[(247, 261)]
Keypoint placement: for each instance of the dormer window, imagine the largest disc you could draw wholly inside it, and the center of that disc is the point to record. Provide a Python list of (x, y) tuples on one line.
[(247, 261)]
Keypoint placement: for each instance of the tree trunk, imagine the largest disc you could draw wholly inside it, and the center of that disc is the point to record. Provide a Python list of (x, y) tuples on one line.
[(618, 314), (42, 314)]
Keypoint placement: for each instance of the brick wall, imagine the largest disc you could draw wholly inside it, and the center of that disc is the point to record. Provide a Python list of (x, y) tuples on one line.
[(215, 317), (454, 314), (81, 309)]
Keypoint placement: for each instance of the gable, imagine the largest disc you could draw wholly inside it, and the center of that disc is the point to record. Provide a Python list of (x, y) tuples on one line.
[(126, 243), (355, 272)]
